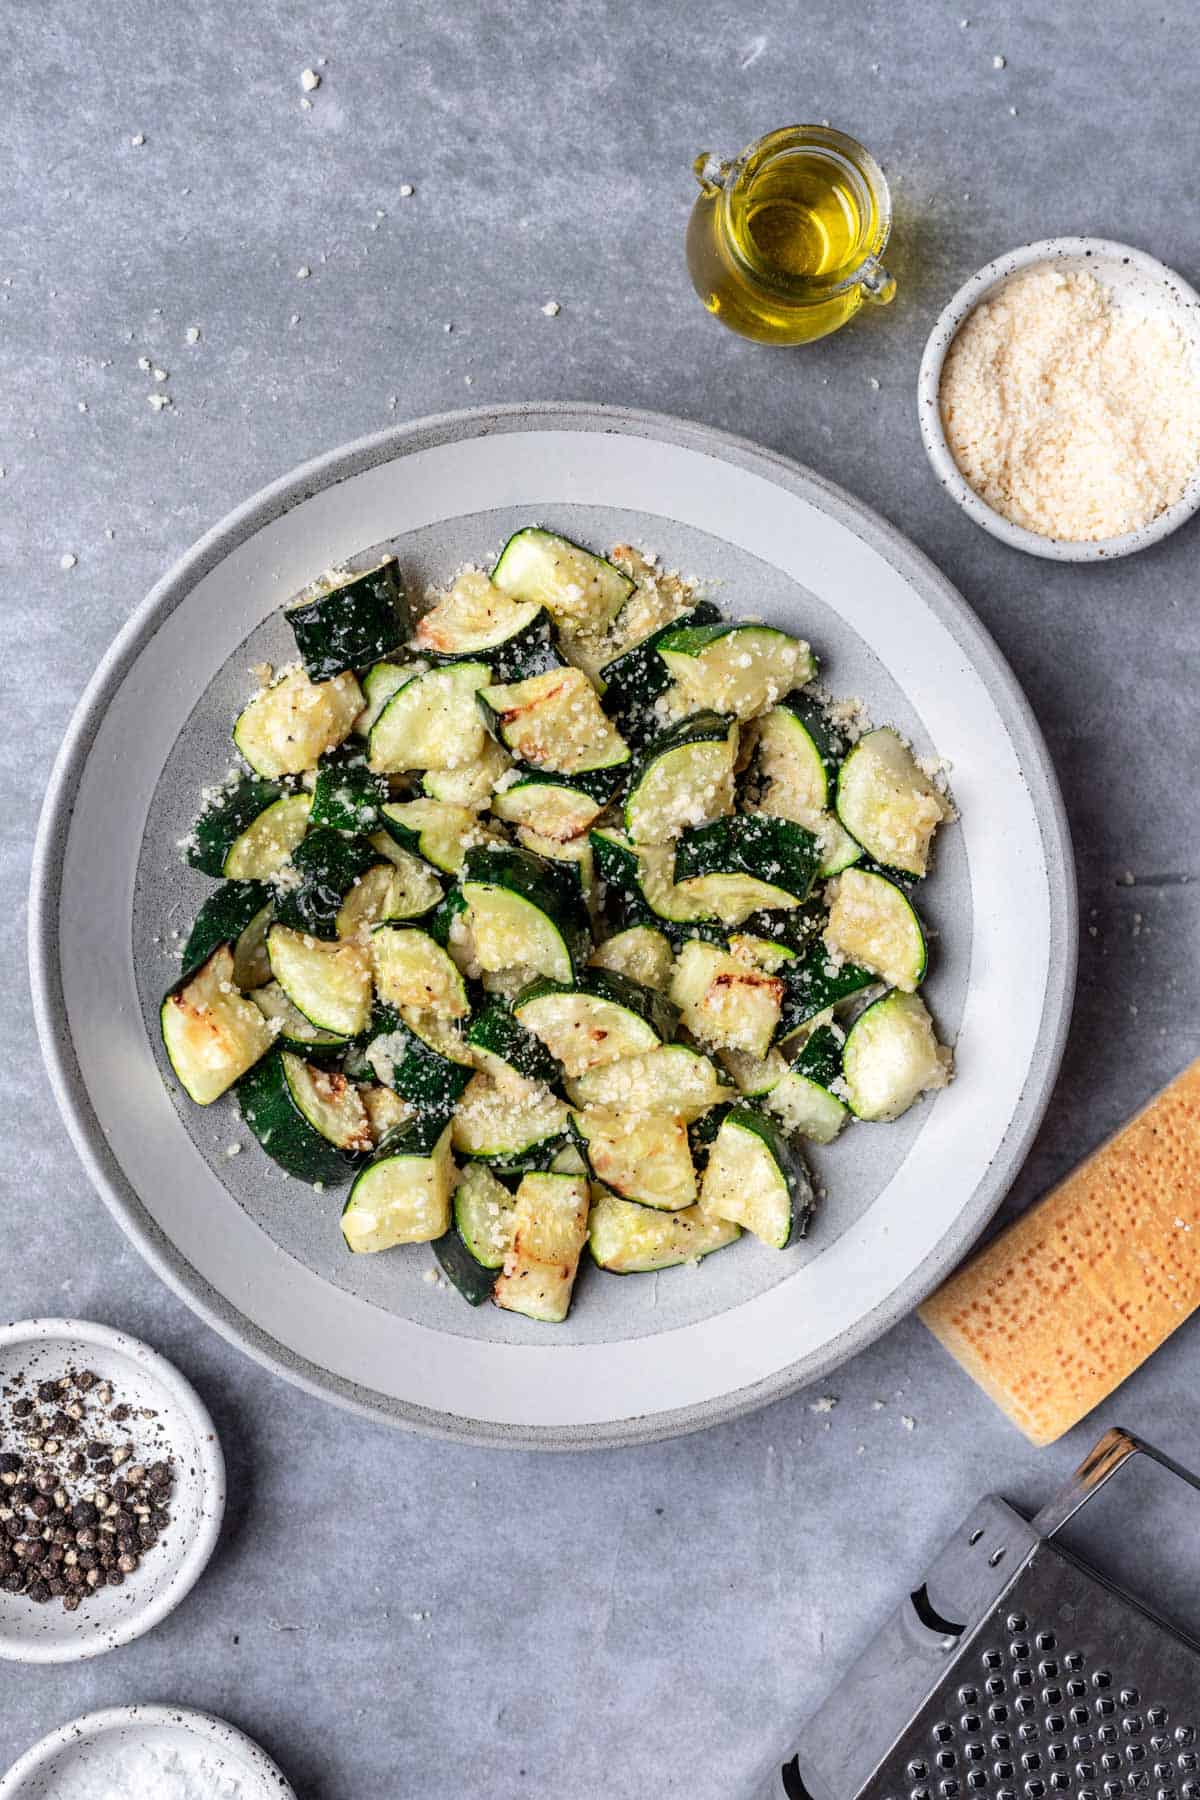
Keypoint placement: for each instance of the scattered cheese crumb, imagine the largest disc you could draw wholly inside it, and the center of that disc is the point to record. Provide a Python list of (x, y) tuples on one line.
[(82, 405), (429, 1276), (158, 401), (144, 364), (233, 1150), (407, 191), (552, 309), (873, 382), (998, 62), (138, 140), (159, 374), (303, 272), (67, 561), (825, 1404), (109, 533), (309, 79), (908, 1422), (306, 105), (1069, 414), (192, 334)]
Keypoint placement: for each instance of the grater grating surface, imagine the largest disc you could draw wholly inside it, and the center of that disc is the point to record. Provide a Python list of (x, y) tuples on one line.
[(1015, 1672)]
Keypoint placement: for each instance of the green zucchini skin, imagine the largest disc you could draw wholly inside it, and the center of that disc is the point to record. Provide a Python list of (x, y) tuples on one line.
[(472, 1280), (353, 624), (285, 1134), (347, 794), (329, 865), (770, 850), (495, 1031), (633, 681), (218, 828), (792, 1168), (699, 728), (222, 920), (617, 870), (531, 651), (702, 1133), (555, 889), (821, 1058), (812, 984), (420, 1073)]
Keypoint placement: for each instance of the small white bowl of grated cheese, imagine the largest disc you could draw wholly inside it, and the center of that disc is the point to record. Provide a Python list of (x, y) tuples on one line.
[(1059, 399)]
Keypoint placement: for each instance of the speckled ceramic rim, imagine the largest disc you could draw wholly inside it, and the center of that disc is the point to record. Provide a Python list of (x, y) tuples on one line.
[(1176, 292), (90, 1726), (976, 648), (210, 1461)]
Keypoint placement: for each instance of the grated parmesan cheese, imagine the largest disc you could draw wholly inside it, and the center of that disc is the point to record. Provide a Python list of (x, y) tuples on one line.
[(1071, 415)]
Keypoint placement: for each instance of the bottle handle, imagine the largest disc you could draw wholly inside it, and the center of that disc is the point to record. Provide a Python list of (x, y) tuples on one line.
[(711, 171), (877, 285)]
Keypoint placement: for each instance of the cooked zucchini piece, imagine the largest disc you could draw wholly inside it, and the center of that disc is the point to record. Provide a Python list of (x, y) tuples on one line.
[(812, 983), (461, 1270), (347, 794), (633, 681), (292, 1031), (723, 1001), (238, 914), (508, 1129), (384, 1111), (309, 1120), (472, 785), (873, 922), (433, 830), (735, 866), (574, 855), (417, 886), (801, 1098), (577, 589), (427, 1067), (601, 1019), (250, 830), (891, 1056), (403, 1194), (289, 727), (754, 1076), (627, 1239), (385, 894), (327, 864), (673, 1078), (484, 1215), (525, 912), (547, 805), (378, 685), (412, 970), (730, 668), (210, 1032), (755, 1178), (504, 1049), (349, 621), (639, 885), (554, 721), (794, 772), (549, 1232), (888, 804), (329, 983), (432, 722), (640, 952), (475, 620), (767, 954), (639, 1156), (684, 778)]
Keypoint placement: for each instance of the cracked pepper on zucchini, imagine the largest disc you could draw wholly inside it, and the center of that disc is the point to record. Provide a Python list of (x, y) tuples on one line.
[(558, 914)]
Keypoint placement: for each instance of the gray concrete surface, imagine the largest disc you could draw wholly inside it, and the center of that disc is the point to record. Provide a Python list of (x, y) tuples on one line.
[(643, 1621)]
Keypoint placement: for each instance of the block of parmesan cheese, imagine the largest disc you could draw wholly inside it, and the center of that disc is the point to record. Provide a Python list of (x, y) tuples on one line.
[(1065, 1303)]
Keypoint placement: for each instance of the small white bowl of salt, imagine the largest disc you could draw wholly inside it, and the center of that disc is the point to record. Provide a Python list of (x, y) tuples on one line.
[(134, 1752)]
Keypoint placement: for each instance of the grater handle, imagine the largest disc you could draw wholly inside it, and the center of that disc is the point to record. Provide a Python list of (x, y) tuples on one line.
[(1115, 1450)]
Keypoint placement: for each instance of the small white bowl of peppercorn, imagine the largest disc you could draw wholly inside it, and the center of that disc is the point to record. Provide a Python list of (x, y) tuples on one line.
[(112, 1489)]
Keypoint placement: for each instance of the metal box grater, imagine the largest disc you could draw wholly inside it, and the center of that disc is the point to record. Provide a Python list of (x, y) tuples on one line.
[(1014, 1672)]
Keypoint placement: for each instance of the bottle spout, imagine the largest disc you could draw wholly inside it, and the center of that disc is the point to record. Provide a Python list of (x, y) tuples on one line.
[(877, 285), (711, 171)]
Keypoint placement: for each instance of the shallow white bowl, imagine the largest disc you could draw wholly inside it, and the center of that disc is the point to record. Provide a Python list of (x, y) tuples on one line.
[(1136, 279), (41, 1348), (97, 1736)]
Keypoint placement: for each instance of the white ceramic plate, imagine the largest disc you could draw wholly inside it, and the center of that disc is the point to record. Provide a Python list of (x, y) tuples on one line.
[(100, 1744), (260, 1256), (42, 1349)]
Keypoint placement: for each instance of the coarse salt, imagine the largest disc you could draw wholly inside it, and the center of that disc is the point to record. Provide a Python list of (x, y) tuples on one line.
[(1069, 414)]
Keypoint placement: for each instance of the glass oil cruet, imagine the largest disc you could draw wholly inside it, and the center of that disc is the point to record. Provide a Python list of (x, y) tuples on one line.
[(783, 244)]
